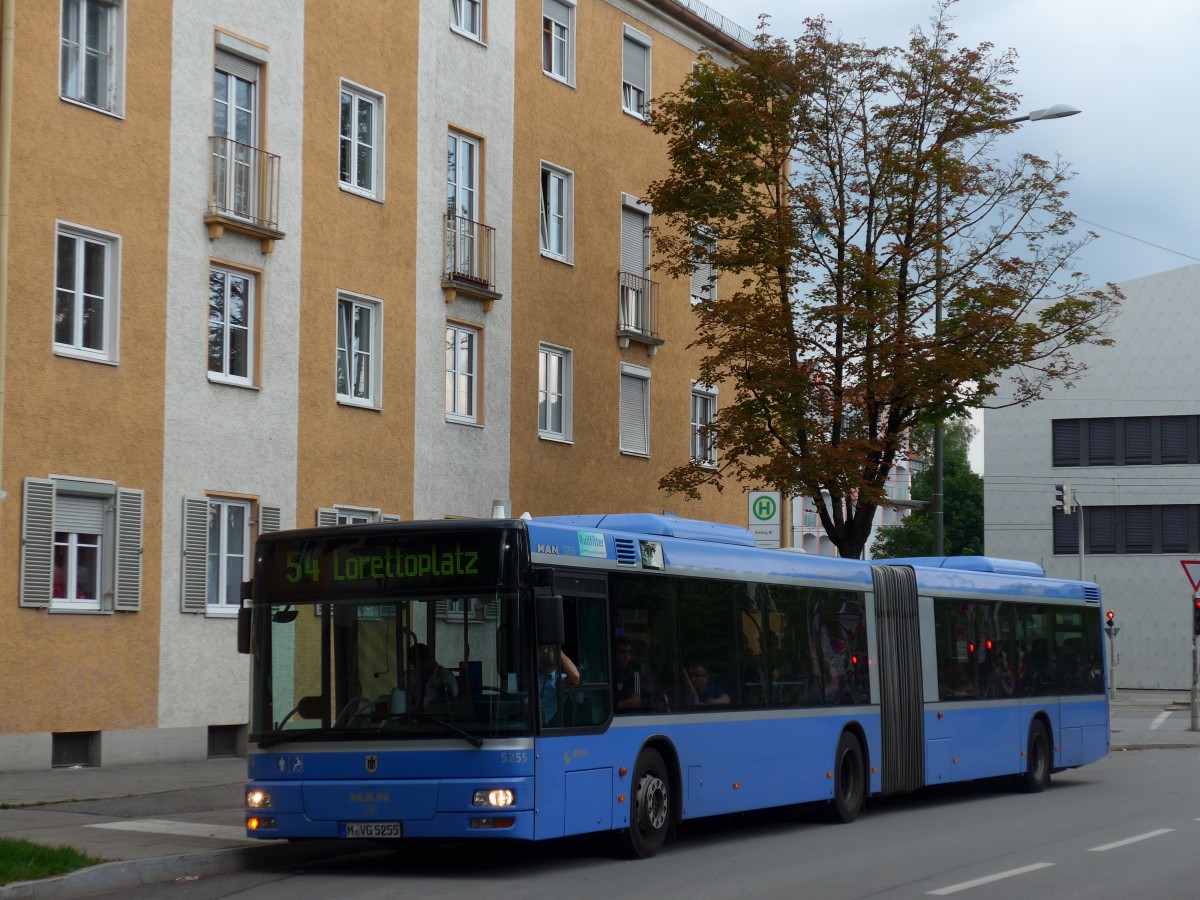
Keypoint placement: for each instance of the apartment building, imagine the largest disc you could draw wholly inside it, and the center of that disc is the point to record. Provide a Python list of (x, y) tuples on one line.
[(1125, 439), (291, 264)]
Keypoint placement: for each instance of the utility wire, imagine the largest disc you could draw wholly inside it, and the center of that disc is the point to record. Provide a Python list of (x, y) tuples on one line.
[(1138, 239)]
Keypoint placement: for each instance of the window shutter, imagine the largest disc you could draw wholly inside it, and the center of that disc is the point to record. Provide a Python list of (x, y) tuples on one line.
[(702, 275), (37, 542), (557, 11), (634, 438), (269, 518), (1066, 533), (236, 65), (1137, 441), (634, 57), (195, 554), (389, 517), (1174, 440), (633, 242), (1102, 442), (1175, 529), (1139, 530), (326, 518), (130, 526), (1066, 442), (82, 515), (1102, 529)]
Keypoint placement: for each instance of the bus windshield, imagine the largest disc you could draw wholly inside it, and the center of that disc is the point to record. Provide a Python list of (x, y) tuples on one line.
[(376, 633)]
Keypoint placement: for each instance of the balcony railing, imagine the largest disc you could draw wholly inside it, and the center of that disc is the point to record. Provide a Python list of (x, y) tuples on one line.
[(637, 311), (470, 253), (243, 189)]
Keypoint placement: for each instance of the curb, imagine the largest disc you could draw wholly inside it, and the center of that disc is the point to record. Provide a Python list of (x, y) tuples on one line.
[(126, 874)]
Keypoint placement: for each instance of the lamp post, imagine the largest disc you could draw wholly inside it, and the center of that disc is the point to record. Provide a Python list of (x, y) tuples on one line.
[(1058, 111)]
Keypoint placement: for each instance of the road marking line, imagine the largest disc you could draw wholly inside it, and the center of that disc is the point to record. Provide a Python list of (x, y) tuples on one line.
[(1132, 840), (182, 829), (988, 879), (1162, 717)]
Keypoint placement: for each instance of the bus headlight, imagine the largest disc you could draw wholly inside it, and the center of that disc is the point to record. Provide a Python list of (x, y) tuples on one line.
[(258, 800), (494, 797)]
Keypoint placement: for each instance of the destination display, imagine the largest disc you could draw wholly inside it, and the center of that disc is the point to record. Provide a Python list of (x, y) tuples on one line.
[(381, 563)]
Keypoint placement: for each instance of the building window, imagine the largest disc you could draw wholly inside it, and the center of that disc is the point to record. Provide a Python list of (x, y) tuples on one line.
[(635, 72), (359, 346), (704, 280), (230, 326), (81, 545), (704, 413), (91, 53), (361, 153), (466, 17), (554, 393), (558, 39), (1125, 441), (462, 347), (352, 515), (1128, 529), (235, 132), (228, 553), (635, 410), (85, 294), (556, 212)]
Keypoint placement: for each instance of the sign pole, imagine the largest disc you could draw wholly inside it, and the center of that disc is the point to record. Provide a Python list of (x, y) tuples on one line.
[(1195, 726), (1194, 580)]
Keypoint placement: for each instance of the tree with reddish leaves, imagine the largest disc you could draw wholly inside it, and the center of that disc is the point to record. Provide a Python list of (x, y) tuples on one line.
[(841, 190)]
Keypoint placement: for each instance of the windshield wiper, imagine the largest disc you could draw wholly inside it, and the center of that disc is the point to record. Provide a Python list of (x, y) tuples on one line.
[(285, 736), (473, 740)]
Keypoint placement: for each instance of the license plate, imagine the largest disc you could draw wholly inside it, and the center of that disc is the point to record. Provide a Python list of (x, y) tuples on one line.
[(372, 829)]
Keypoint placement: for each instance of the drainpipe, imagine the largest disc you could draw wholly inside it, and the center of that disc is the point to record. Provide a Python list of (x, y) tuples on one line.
[(7, 49)]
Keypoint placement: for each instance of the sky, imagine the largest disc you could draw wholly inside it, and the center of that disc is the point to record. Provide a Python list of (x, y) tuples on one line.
[(1130, 68)]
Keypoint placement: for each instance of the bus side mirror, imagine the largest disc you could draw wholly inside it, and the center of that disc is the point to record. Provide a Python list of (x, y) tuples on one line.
[(551, 629), (243, 629)]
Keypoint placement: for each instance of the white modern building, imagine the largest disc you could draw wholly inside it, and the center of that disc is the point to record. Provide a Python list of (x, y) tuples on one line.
[(1126, 441)]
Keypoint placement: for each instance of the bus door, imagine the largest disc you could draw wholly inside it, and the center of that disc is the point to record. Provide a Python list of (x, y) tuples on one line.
[(574, 786), (901, 705)]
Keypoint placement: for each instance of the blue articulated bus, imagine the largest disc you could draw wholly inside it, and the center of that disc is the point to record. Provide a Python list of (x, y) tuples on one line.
[(531, 679)]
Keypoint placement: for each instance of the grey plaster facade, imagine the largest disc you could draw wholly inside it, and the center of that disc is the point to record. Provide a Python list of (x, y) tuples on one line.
[(1150, 371)]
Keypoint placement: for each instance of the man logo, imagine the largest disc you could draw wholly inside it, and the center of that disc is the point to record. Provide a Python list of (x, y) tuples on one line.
[(372, 764)]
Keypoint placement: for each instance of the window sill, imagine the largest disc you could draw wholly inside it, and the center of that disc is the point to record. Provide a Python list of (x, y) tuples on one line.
[(358, 404), (566, 82), (556, 439), (221, 612), (470, 423), (232, 382), (83, 355), (100, 109), (632, 114), (554, 257), (77, 611), (473, 38), (635, 453), (359, 192)]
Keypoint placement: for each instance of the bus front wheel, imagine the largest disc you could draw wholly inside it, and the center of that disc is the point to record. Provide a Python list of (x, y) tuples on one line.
[(1037, 759), (650, 809), (849, 780)]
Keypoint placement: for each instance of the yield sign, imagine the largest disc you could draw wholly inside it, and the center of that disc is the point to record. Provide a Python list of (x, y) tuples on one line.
[(1191, 568)]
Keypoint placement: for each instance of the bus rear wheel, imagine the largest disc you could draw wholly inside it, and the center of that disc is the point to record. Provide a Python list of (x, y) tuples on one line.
[(849, 780), (650, 807), (1037, 759)]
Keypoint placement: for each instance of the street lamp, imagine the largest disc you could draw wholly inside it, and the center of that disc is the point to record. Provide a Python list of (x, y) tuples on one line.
[(1057, 111)]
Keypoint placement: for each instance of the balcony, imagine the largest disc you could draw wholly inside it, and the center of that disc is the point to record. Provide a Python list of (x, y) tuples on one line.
[(243, 192), (637, 312), (470, 261)]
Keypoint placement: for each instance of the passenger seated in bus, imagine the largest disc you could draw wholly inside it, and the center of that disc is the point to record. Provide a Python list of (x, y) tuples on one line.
[(431, 687), (551, 673), (627, 675), (700, 690)]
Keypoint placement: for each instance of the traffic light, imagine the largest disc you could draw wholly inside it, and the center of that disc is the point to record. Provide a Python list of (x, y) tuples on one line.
[(1196, 615), (1062, 498), (1110, 620)]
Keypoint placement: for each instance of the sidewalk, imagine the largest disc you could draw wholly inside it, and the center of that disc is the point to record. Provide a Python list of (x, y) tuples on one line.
[(162, 821)]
